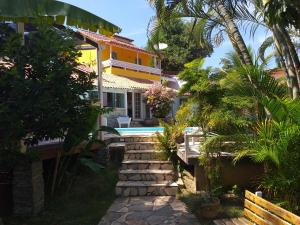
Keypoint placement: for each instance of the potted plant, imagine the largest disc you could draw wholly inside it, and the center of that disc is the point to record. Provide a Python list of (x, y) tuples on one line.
[(208, 206)]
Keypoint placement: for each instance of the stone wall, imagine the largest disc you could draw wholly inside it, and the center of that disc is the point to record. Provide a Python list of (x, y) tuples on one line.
[(28, 188)]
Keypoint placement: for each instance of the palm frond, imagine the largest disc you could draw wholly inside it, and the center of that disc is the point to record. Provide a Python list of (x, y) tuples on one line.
[(268, 42)]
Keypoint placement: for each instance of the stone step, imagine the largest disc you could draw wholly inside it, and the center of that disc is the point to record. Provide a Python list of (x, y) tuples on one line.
[(143, 155), (146, 188), (132, 138), (140, 145), (139, 139), (146, 175), (146, 164)]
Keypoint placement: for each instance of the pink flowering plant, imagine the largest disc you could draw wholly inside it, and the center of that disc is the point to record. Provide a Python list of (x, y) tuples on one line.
[(160, 98)]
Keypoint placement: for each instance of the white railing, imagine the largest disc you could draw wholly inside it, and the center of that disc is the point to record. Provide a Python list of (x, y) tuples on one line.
[(131, 66)]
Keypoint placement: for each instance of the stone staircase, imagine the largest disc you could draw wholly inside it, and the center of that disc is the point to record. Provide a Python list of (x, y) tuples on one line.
[(143, 173)]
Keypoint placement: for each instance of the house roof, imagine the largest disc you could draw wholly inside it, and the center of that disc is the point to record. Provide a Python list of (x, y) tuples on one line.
[(121, 82), (113, 40), (84, 68)]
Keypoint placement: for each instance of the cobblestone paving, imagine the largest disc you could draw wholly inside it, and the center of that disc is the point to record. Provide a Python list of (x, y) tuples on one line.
[(160, 210)]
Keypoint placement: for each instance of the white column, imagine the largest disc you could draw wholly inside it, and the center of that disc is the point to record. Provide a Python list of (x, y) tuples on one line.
[(155, 61), (110, 52), (100, 86), (125, 102), (133, 105)]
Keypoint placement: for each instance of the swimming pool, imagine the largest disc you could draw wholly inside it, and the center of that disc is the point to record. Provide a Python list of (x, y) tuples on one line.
[(144, 130)]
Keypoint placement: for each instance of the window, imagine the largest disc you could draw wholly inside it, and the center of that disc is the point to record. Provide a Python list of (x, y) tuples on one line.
[(114, 100), (138, 61), (109, 99), (114, 55), (119, 100)]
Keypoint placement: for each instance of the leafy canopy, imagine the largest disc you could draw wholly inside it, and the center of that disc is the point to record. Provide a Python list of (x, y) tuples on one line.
[(182, 47), (42, 93)]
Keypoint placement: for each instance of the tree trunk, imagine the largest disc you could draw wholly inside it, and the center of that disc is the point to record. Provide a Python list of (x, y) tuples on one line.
[(234, 33), (292, 50), (291, 73)]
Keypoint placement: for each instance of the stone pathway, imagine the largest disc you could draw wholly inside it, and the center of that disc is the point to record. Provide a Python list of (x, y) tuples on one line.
[(154, 210)]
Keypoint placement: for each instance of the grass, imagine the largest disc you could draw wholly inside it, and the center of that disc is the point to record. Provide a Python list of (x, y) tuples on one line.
[(85, 204)]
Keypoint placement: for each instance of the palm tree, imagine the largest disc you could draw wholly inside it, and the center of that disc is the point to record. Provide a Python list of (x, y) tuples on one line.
[(217, 17), (210, 14), (285, 48)]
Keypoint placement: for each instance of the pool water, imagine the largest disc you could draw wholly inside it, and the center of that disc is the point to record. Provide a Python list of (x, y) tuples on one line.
[(144, 130)]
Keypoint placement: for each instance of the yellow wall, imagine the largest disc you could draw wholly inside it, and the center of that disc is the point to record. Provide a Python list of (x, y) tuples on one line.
[(89, 57), (127, 55), (131, 73)]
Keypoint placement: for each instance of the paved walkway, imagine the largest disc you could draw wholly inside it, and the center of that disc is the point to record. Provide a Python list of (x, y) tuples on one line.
[(160, 210)]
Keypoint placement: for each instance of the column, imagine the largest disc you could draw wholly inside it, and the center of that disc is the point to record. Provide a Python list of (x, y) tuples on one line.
[(110, 52), (133, 106), (100, 86), (125, 102)]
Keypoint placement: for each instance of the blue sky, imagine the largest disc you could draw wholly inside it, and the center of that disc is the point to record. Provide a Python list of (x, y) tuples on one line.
[(133, 17)]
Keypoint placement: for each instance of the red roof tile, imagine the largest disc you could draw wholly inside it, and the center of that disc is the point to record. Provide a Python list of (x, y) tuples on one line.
[(112, 41)]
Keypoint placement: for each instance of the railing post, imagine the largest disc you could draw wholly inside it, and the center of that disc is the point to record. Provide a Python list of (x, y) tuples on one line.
[(186, 143), (258, 193)]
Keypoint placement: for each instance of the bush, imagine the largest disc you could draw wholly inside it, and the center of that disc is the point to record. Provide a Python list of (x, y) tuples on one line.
[(159, 98)]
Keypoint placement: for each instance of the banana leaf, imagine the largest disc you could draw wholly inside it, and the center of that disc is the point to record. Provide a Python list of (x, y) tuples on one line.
[(53, 12)]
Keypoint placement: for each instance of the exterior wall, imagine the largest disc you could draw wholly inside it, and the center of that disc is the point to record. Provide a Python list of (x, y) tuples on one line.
[(131, 73), (89, 57), (127, 55), (244, 173)]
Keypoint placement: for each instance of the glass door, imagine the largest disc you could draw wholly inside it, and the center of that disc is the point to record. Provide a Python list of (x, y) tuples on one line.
[(129, 104), (137, 105)]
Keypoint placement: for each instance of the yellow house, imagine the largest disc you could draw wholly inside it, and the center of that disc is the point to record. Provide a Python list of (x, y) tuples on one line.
[(128, 71)]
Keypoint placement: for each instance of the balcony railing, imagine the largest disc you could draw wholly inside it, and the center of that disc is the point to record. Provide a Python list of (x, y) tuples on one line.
[(131, 66)]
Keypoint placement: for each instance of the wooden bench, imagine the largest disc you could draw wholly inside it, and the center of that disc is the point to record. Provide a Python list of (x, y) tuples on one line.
[(261, 212)]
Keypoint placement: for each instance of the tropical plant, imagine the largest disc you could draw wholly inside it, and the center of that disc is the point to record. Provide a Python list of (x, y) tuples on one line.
[(209, 107), (159, 97), (167, 141), (285, 13), (42, 91), (273, 141), (53, 12), (83, 140), (214, 18), (182, 48), (210, 18), (285, 48), (276, 144)]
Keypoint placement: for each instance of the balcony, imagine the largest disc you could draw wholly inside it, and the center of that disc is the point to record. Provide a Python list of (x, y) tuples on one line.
[(131, 66)]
